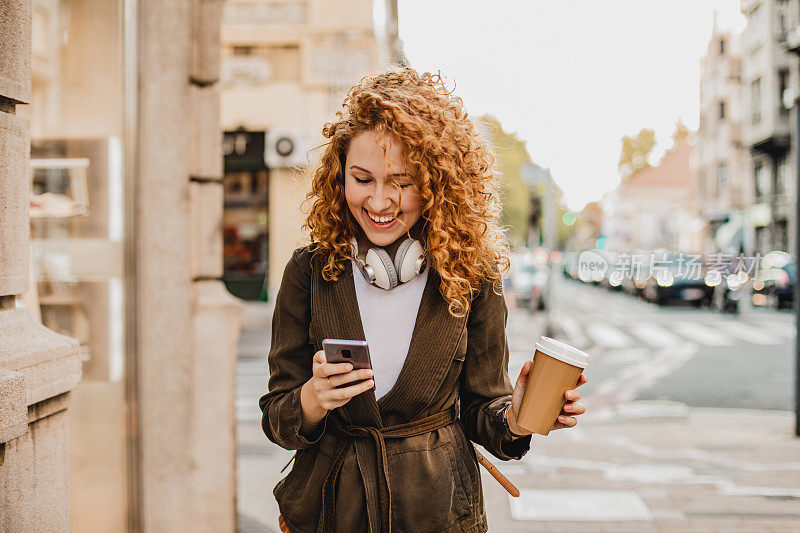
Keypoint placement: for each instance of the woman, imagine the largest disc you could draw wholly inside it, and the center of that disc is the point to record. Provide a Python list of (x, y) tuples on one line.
[(403, 162)]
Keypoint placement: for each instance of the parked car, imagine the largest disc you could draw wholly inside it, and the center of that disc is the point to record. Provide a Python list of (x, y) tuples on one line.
[(774, 285), (529, 279), (634, 274), (670, 282), (569, 265)]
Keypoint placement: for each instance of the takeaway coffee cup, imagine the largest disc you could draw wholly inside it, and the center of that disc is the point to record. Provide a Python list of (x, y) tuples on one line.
[(556, 368)]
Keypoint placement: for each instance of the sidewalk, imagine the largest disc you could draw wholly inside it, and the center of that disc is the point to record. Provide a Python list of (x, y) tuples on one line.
[(644, 466), (703, 470)]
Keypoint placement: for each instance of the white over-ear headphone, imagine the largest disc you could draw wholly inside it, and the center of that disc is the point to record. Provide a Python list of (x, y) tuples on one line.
[(378, 268)]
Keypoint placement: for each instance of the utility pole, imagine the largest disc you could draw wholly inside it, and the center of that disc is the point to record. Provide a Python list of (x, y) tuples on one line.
[(792, 43), (796, 304)]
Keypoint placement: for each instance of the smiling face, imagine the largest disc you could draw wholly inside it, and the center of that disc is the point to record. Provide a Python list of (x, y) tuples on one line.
[(383, 213)]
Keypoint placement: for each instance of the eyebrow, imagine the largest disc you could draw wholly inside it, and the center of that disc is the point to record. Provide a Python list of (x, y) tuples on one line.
[(393, 174)]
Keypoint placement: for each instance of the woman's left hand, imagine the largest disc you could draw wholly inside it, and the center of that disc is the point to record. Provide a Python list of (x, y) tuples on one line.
[(566, 419)]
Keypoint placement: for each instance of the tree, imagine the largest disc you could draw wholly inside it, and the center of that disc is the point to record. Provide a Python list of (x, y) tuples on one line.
[(512, 155), (635, 151)]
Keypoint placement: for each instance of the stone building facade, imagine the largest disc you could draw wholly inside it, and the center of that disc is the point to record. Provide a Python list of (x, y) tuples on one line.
[(769, 72), (110, 263), (722, 161), (38, 368), (285, 69)]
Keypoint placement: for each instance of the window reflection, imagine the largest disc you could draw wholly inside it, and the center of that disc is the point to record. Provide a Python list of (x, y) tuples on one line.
[(77, 235)]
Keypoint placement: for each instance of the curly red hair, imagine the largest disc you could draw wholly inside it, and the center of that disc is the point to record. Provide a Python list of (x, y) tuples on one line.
[(452, 168)]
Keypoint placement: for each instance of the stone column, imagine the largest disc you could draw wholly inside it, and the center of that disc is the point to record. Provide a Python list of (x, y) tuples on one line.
[(187, 325), (38, 368)]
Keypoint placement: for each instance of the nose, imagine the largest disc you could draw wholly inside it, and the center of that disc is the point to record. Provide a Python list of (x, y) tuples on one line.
[(384, 198)]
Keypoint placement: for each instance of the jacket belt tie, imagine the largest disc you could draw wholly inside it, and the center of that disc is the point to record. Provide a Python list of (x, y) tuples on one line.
[(346, 436)]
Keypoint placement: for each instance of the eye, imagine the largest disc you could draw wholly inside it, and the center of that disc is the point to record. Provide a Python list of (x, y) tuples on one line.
[(359, 180)]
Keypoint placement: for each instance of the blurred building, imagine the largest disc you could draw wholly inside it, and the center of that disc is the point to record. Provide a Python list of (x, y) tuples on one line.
[(768, 74), (110, 258), (655, 207), (724, 176), (286, 65), (587, 227)]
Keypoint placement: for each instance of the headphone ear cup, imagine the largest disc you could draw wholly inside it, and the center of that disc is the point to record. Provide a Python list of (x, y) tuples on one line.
[(381, 263), (399, 257), (406, 259)]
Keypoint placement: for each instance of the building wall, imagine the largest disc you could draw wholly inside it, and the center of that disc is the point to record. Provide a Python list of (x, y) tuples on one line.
[(141, 446), (763, 58), (645, 219), (722, 164), (655, 208), (286, 66), (767, 130), (38, 368), (187, 325)]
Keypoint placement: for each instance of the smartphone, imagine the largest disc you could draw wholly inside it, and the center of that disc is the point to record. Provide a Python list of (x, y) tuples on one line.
[(347, 351)]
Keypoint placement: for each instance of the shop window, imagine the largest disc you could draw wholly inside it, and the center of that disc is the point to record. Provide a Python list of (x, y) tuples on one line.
[(246, 223), (77, 225), (781, 234)]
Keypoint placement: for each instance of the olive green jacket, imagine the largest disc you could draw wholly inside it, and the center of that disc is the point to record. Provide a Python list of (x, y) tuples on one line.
[(432, 478)]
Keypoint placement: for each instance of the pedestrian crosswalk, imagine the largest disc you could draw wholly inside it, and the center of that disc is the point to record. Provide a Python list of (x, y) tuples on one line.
[(703, 334), (786, 329), (569, 325), (709, 332), (751, 334), (655, 335), (591, 317), (608, 335)]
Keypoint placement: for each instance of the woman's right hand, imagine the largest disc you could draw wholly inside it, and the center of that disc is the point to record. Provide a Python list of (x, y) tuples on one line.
[(319, 394)]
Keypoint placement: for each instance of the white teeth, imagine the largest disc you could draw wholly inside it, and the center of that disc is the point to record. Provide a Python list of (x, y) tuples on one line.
[(380, 220)]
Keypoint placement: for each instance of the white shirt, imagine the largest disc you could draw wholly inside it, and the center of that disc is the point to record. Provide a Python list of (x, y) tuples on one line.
[(388, 319)]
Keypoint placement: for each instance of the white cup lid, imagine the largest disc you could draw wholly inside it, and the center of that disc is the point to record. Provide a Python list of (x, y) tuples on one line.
[(563, 352)]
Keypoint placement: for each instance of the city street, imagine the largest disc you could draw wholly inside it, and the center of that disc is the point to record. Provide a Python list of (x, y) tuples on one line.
[(694, 356), (688, 427)]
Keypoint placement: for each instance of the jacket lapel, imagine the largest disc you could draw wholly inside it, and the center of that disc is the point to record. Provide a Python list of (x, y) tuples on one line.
[(433, 344), (337, 316)]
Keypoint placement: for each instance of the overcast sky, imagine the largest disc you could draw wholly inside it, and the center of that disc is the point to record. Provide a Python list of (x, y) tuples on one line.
[(570, 77)]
